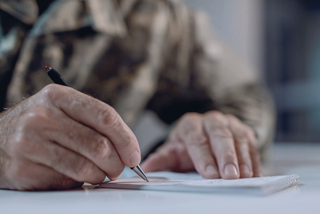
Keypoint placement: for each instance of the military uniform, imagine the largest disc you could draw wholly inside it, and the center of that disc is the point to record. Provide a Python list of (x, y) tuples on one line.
[(134, 55)]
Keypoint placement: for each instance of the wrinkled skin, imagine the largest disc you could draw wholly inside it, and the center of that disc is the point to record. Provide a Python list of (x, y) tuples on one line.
[(214, 144), (60, 138)]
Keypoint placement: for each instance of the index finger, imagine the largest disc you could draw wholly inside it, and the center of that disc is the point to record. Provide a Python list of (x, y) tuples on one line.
[(97, 115), (190, 130), (222, 144)]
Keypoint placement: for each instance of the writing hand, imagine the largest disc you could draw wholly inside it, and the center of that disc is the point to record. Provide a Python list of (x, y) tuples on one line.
[(60, 138)]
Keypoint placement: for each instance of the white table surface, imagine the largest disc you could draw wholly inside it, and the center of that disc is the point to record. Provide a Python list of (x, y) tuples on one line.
[(303, 159)]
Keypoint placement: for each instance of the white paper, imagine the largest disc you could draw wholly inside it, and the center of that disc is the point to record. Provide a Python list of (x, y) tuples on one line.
[(192, 182)]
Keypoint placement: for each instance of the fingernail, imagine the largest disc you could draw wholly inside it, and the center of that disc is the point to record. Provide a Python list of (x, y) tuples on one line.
[(259, 174), (135, 159), (230, 169), (210, 170), (245, 171)]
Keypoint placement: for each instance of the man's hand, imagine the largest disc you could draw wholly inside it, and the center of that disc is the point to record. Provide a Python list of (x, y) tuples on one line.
[(60, 138), (214, 144)]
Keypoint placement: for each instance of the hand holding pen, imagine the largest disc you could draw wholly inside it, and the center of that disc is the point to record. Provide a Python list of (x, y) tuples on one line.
[(60, 138), (56, 78)]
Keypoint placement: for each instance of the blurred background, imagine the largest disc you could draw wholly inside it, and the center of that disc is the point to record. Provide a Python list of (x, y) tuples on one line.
[(279, 38)]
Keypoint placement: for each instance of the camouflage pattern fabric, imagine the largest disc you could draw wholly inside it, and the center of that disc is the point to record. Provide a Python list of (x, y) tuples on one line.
[(133, 55)]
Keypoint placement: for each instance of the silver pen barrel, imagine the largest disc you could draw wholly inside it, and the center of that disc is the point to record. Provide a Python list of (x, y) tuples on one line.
[(138, 171)]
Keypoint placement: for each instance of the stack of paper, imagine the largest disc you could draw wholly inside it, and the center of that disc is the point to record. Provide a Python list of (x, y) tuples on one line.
[(192, 182)]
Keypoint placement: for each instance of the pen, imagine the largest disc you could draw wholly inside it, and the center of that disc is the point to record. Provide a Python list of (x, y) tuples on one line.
[(56, 78)]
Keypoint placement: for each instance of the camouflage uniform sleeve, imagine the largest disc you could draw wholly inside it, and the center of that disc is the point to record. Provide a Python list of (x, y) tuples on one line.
[(15, 19), (201, 74)]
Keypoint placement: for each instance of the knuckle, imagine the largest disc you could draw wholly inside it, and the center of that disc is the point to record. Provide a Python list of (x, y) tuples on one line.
[(229, 156), (245, 136), (195, 138), (233, 119), (254, 151), (108, 117), (51, 91), (216, 116), (189, 117), (58, 158), (35, 115), (221, 133), (242, 148), (242, 138), (129, 138), (29, 124), (215, 123), (188, 123), (101, 149), (34, 118)]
